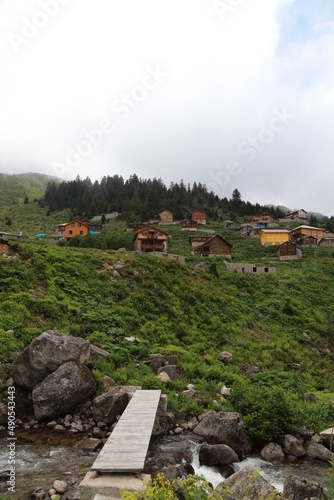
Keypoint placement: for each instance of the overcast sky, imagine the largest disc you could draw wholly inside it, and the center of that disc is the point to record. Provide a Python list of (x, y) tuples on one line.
[(230, 93)]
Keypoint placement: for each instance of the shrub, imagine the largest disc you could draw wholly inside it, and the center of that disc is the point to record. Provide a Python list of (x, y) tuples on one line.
[(268, 412)]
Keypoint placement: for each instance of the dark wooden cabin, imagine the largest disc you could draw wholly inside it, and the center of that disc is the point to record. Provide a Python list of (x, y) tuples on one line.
[(215, 246)]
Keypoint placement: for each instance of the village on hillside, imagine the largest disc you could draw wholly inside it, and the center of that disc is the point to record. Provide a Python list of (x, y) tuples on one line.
[(149, 237)]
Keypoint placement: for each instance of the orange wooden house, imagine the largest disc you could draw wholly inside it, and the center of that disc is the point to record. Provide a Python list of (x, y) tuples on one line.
[(150, 239), (73, 228)]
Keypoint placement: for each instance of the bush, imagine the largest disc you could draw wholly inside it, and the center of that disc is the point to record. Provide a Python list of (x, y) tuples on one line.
[(268, 412)]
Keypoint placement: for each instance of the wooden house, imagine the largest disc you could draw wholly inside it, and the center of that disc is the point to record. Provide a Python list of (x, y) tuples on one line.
[(214, 247), (288, 251), (188, 225), (199, 217), (308, 241), (273, 236), (233, 225), (265, 218), (297, 215), (196, 241), (301, 232), (165, 217), (326, 242), (74, 228), (150, 239)]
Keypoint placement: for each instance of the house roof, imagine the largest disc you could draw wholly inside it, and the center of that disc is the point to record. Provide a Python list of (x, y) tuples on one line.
[(306, 227), (288, 243), (198, 212), (76, 220), (210, 240), (296, 211), (272, 231), (151, 228)]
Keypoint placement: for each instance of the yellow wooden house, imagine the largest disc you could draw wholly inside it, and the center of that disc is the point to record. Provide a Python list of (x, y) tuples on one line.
[(273, 236)]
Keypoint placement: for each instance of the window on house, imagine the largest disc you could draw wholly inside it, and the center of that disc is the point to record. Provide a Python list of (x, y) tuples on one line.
[(71, 232), (266, 269), (254, 269), (81, 232), (73, 224), (79, 224)]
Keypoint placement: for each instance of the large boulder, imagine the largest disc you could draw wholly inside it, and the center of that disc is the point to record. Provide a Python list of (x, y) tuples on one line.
[(156, 361), (223, 428), (112, 403), (46, 354), (217, 455), (299, 488), (174, 372), (319, 452), (247, 484), (272, 452), (62, 390), (293, 446)]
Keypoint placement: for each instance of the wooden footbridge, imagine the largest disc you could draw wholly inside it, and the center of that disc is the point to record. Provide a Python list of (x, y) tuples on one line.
[(127, 445)]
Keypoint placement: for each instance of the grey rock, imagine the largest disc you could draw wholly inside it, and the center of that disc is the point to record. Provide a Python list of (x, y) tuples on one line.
[(164, 377), (189, 392), (305, 433), (293, 446), (38, 493), (173, 371), (97, 353), (89, 444), (217, 455), (164, 422), (247, 484), (51, 424), (225, 356), (62, 390), (251, 368), (60, 486), (201, 266), (223, 428), (296, 488), (272, 452), (156, 361), (46, 354), (319, 452), (10, 332), (107, 406)]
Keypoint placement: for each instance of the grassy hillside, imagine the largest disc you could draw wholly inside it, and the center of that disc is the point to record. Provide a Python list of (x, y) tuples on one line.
[(28, 218), (175, 309)]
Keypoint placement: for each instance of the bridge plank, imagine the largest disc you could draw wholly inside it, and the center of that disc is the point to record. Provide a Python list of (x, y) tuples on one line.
[(127, 445)]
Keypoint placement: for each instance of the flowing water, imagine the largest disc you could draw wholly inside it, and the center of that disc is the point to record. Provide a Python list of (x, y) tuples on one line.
[(43, 456)]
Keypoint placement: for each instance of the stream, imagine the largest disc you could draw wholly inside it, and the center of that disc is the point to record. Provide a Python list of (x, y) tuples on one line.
[(43, 456)]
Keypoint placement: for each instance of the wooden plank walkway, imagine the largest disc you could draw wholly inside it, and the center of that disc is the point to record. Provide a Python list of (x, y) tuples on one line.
[(127, 445)]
